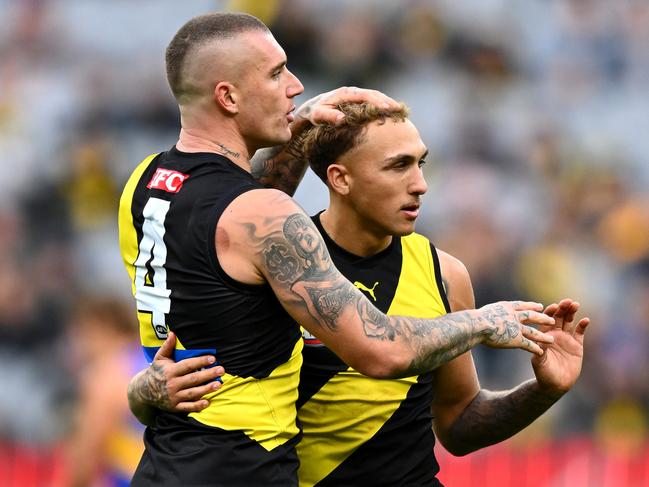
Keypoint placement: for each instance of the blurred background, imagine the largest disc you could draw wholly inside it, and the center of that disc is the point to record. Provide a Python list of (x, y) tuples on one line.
[(536, 116)]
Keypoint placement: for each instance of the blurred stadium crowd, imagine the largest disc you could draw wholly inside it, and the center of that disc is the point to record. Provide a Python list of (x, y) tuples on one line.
[(537, 119)]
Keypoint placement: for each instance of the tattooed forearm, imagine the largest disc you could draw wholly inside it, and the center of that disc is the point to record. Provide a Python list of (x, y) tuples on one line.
[(281, 167), (495, 416), (431, 342), (435, 342), (375, 323), (147, 393), (261, 164), (329, 302)]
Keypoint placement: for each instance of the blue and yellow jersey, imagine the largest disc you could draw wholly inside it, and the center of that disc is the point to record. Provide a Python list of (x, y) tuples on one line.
[(167, 220), (363, 431)]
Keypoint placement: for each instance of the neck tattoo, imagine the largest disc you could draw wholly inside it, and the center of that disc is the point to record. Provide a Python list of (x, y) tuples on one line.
[(227, 152)]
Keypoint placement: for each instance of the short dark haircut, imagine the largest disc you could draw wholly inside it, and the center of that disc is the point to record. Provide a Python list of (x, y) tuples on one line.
[(197, 32), (324, 144)]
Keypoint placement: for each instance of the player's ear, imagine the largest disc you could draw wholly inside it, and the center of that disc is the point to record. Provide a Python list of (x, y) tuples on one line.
[(338, 178), (226, 97)]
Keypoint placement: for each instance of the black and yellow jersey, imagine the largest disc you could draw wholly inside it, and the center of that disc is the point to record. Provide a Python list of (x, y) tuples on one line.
[(167, 220), (363, 431)]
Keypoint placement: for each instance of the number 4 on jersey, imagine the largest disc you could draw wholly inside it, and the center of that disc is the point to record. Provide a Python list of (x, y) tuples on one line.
[(151, 293)]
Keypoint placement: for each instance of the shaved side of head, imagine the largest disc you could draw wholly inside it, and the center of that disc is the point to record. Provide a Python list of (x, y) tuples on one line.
[(203, 51)]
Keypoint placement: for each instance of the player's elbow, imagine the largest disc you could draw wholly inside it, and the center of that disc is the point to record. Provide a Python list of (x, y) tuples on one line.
[(384, 365), (457, 450), (453, 443)]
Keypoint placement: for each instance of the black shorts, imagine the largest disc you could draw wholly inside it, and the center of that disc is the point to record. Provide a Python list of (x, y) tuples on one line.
[(182, 452)]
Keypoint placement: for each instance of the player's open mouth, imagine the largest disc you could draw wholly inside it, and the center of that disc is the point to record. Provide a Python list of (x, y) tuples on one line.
[(411, 211)]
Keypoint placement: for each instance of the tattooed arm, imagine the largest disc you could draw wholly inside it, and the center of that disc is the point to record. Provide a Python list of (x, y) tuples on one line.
[(494, 416), (264, 236), (467, 417), (283, 167)]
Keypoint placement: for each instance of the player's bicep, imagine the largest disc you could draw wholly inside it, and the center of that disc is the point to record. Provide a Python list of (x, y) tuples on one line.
[(287, 249)]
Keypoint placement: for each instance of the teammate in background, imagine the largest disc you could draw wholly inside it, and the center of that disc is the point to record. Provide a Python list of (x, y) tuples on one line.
[(106, 441), (363, 431), (229, 266)]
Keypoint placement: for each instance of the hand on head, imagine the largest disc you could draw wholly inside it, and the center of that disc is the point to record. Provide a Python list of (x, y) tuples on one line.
[(322, 109)]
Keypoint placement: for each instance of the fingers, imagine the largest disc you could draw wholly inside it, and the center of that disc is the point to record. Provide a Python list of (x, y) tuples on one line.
[(186, 392), (536, 335), (527, 305), (564, 314), (352, 94), (189, 365), (569, 317), (530, 346), (580, 329), (192, 407), (191, 400), (551, 309), (189, 380), (167, 348), (323, 114), (323, 107), (535, 318)]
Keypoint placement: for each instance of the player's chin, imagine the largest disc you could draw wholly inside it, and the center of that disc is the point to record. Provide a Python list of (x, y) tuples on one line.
[(280, 137), (283, 134), (403, 228)]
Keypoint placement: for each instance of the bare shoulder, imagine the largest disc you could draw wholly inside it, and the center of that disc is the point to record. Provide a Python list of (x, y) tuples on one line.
[(457, 282), (248, 220), (451, 266), (258, 203)]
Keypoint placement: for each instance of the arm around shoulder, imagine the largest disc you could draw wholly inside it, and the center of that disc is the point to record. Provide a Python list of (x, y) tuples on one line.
[(265, 236)]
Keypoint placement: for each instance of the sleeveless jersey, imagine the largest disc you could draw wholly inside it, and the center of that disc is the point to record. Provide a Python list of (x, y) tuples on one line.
[(168, 215), (363, 431)]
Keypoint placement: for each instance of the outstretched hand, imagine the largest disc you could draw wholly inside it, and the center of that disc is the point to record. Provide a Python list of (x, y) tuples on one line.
[(560, 365), (176, 386)]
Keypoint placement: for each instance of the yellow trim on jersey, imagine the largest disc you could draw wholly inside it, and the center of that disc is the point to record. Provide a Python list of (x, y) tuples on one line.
[(263, 409), (129, 247), (417, 293), (351, 408), (128, 243)]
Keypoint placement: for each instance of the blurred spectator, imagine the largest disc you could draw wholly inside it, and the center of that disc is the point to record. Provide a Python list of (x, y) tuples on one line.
[(106, 441)]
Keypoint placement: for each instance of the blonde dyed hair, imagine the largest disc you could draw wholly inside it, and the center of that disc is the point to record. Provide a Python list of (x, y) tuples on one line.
[(323, 145)]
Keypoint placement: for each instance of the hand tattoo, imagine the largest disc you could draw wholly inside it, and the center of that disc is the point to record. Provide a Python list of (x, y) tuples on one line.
[(152, 388)]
